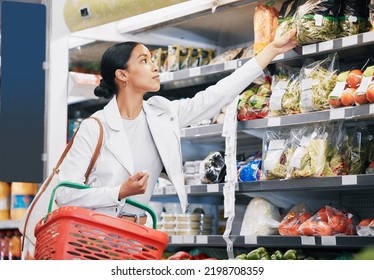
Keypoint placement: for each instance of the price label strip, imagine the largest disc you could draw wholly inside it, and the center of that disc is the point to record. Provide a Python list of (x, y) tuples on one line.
[(349, 180), (328, 240), (250, 239), (308, 240), (201, 239)]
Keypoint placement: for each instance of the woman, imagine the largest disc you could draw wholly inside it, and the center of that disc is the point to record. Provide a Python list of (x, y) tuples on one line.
[(142, 137)]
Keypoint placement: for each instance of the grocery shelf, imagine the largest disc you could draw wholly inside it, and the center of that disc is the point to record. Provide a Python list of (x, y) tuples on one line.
[(9, 224), (202, 131), (275, 241), (347, 182)]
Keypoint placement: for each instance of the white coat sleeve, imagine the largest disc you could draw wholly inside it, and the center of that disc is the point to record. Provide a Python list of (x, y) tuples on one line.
[(207, 103), (74, 167)]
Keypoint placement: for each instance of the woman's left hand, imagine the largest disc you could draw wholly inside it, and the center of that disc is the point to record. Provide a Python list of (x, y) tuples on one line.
[(285, 42)]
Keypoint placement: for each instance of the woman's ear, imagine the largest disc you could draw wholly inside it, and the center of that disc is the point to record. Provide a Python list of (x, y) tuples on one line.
[(120, 74)]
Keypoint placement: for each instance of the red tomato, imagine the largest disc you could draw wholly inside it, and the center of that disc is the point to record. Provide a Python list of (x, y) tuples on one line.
[(322, 214), (323, 229), (348, 97), (338, 223), (350, 230), (303, 217), (354, 78), (360, 98), (365, 222), (371, 223), (335, 102), (370, 93)]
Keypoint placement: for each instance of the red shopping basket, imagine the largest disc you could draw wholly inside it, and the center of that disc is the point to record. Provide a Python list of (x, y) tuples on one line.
[(74, 233)]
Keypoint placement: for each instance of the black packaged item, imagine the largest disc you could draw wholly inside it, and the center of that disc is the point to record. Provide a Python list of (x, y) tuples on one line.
[(213, 168), (353, 17)]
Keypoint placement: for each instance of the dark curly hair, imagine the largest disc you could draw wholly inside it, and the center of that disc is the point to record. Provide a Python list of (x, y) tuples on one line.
[(115, 57)]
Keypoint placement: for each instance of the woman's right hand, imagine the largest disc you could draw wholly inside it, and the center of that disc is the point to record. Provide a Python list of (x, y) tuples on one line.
[(135, 184)]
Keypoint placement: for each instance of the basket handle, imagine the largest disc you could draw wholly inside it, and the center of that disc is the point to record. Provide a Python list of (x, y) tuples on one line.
[(82, 187)]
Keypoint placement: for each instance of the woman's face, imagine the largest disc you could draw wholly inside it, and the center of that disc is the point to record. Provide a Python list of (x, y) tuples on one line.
[(142, 74)]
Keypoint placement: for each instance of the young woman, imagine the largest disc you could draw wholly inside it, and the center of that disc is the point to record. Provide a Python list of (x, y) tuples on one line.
[(141, 137)]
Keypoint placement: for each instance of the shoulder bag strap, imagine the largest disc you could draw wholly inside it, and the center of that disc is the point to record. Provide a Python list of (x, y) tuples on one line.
[(56, 170)]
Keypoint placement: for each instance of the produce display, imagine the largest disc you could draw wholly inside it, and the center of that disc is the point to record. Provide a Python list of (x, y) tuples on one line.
[(353, 17), (213, 168), (352, 88), (262, 253)]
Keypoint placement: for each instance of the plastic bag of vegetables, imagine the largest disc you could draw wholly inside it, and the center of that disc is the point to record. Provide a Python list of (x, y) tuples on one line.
[(286, 17), (261, 218), (329, 221), (298, 214), (317, 21), (309, 157), (337, 161), (353, 17), (277, 152), (317, 81), (280, 87)]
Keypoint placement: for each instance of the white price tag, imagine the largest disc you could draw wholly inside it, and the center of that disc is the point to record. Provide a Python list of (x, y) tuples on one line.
[(229, 65), (195, 71), (365, 82), (308, 240), (371, 109), (212, 188), (349, 41), (176, 239), (325, 46), (318, 20), (328, 240), (201, 239), (166, 76), (188, 239), (349, 180), (368, 37), (170, 190), (312, 48), (250, 239), (352, 19), (336, 114), (276, 144), (272, 121)]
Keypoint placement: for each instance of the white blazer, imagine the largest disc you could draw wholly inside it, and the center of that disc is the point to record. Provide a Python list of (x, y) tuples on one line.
[(165, 119)]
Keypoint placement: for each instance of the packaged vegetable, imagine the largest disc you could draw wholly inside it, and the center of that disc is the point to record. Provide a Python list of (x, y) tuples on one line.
[(280, 89), (329, 221), (309, 156), (227, 56), (265, 21), (261, 218), (317, 21), (337, 161), (277, 152), (317, 80), (358, 144), (286, 17), (353, 17), (289, 226)]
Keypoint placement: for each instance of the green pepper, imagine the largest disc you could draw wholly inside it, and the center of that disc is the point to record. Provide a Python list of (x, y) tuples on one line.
[(241, 257), (277, 255), (294, 254), (257, 254)]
